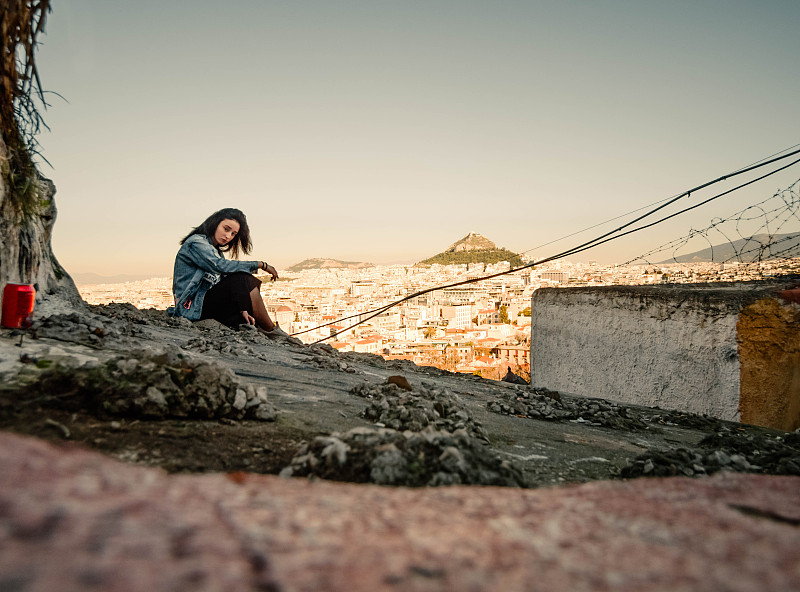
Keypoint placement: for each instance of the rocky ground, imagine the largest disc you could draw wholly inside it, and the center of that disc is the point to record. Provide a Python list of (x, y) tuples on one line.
[(72, 520), (151, 390), (172, 397)]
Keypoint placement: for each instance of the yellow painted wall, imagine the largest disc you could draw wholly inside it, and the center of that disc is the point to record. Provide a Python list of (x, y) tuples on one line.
[(768, 335)]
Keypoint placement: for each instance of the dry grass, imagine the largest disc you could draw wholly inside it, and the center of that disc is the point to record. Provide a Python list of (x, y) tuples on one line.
[(21, 94)]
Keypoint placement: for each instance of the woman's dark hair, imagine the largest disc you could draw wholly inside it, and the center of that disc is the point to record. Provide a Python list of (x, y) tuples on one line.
[(209, 227)]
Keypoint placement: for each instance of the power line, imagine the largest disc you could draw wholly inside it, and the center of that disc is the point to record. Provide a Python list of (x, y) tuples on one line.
[(771, 155), (597, 241), (599, 224), (686, 209), (557, 240), (580, 248), (604, 238)]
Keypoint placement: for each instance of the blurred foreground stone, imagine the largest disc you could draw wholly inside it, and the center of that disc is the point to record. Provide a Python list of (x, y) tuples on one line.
[(71, 519)]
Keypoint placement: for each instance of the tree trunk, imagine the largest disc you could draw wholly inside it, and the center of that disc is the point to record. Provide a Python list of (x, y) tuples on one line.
[(26, 256)]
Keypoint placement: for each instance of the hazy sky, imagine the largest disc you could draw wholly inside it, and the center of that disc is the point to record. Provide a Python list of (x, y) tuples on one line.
[(384, 131)]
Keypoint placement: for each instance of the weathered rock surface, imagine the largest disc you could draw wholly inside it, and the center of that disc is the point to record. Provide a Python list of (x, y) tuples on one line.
[(540, 403), (155, 384), (417, 408), (114, 380), (74, 520), (427, 457), (725, 450), (26, 255)]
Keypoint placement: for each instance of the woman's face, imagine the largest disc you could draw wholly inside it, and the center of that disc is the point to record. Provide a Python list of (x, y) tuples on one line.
[(226, 230)]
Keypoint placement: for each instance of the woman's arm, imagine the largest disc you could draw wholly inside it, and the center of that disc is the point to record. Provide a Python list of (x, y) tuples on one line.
[(200, 252)]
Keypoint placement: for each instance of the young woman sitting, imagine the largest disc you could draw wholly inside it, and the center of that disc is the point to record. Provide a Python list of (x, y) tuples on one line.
[(206, 285)]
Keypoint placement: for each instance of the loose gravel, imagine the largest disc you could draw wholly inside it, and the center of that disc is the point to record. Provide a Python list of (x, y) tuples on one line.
[(425, 405), (725, 450), (539, 403)]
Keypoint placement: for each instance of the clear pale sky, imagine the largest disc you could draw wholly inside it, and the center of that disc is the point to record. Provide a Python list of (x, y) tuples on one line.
[(384, 131)]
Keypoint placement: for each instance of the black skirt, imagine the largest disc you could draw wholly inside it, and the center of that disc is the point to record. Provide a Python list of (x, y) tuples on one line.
[(226, 300)]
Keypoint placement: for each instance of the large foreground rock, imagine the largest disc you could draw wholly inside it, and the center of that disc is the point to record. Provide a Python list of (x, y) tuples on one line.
[(75, 520)]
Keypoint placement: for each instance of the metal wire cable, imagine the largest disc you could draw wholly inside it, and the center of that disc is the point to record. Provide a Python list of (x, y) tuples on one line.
[(604, 238), (775, 213), (660, 220), (592, 227)]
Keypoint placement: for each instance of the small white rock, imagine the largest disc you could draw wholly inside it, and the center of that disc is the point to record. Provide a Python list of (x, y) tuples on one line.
[(240, 400)]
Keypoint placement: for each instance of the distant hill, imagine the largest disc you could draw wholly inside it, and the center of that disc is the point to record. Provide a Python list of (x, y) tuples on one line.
[(322, 263), (473, 248), (749, 248), (472, 242)]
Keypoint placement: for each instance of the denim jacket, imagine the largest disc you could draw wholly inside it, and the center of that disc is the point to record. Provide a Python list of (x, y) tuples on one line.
[(198, 266)]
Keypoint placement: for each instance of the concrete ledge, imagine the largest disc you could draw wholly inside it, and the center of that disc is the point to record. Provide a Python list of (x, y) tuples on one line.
[(731, 351)]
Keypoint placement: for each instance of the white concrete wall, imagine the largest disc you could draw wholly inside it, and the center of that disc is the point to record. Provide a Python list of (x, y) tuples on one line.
[(650, 346)]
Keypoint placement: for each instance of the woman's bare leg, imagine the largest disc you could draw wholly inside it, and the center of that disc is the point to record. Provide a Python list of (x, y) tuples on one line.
[(260, 311)]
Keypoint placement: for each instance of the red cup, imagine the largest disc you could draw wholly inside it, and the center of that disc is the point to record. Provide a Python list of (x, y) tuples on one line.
[(17, 305)]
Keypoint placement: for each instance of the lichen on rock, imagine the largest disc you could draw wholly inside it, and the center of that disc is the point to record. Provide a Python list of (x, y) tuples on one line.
[(543, 404), (383, 456), (148, 384), (426, 405), (725, 450)]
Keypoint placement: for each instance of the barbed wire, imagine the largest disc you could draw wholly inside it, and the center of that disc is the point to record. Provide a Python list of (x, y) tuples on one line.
[(637, 210), (767, 230)]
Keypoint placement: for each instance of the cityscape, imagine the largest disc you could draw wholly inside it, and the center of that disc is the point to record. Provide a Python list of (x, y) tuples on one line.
[(483, 328)]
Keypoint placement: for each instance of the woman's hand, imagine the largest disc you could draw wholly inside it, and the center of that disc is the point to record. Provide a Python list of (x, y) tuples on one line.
[(269, 269), (248, 318)]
